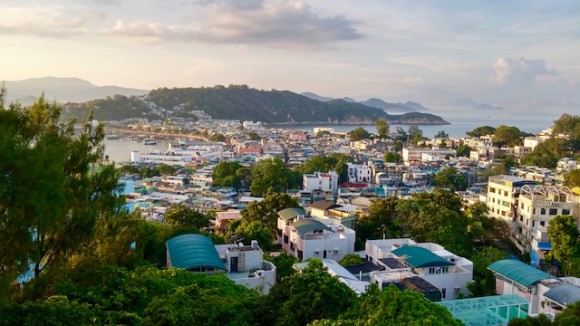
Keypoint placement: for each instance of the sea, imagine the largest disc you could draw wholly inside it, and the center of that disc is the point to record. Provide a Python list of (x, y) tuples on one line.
[(119, 150)]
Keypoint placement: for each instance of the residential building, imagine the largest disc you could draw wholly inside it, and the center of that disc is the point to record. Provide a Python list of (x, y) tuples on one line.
[(359, 173), (320, 181), (537, 205), (502, 195), (306, 237), (406, 259)]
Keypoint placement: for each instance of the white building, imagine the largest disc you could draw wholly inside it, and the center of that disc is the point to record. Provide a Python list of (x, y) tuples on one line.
[(359, 173), (537, 205), (404, 259), (502, 195), (320, 181), (304, 237)]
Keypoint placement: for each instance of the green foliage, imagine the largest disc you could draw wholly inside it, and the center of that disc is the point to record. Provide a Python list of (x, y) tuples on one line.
[(269, 176), (507, 135), (569, 316), (266, 211), (392, 157), (449, 178), (572, 178), (225, 174), (333, 162), (547, 153), (563, 235), (481, 131), (351, 260), (53, 188), (441, 134), (307, 296), (540, 320), (217, 137), (463, 150), (393, 307), (569, 125), (183, 216), (483, 279), (116, 107), (240, 102), (284, 264), (253, 136), (165, 169), (382, 127), (248, 231), (359, 133)]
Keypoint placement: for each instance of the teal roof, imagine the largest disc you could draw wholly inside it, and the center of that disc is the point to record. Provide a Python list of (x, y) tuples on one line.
[(518, 272), (192, 251), (304, 225), (420, 257), (291, 212)]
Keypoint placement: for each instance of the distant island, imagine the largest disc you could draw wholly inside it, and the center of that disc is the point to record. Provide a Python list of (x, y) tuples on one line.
[(235, 102), (240, 102)]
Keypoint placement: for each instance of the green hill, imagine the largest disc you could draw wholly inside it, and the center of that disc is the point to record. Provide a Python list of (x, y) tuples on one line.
[(243, 103)]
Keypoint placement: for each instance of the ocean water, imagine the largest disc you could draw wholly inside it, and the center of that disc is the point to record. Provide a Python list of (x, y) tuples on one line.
[(459, 123)]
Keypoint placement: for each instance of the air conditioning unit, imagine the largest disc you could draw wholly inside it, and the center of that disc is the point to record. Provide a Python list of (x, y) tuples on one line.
[(316, 252)]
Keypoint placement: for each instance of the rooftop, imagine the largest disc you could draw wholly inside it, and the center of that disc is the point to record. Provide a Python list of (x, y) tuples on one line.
[(192, 251), (291, 212), (492, 310), (518, 272), (419, 257), (564, 294), (308, 224)]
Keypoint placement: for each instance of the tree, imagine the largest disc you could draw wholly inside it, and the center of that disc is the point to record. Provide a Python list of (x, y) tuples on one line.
[(392, 157), (351, 260), (382, 127), (483, 279), (54, 187), (284, 265), (569, 125), (415, 134), (547, 153), (248, 231), (359, 133), (268, 176), (572, 178), (442, 134), (309, 295), (507, 135), (165, 169), (463, 150), (449, 178), (252, 135), (225, 174), (218, 138), (481, 131), (569, 316), (392, 306), (266, 211), (563, 234), (183, 216)]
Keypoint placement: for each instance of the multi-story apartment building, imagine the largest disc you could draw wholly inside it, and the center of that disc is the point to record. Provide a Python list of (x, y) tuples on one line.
[(502, 195), (327, 181), (359, 173), (537, 205)]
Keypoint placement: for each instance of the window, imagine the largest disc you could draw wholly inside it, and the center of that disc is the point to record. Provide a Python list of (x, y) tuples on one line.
[(285, 238), (443, 293), (565, 211), (553, 211), (543, 211), (542, 223), (491, 189), (505, 193)]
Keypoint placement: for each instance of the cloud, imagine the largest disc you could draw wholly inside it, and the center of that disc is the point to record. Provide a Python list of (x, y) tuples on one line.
[(255, 22), (520, 70), (46, 21)]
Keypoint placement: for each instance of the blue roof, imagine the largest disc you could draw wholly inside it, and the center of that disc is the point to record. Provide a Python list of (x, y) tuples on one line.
[(564, 294), (192, 251), (545, 245), (518, 272), (419, 257)]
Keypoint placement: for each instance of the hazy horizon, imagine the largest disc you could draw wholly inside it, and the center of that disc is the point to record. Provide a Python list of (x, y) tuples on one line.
[(519, 55)]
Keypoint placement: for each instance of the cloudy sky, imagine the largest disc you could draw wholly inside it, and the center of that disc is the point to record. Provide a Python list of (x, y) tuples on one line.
[(509, 53)]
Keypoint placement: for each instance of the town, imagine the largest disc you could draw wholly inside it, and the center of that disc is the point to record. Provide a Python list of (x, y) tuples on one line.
[(323, 189)]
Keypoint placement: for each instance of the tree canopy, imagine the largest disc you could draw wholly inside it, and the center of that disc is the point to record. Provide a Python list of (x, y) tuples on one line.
[(359, 133), (270, 175), (481, 131), (382, 127)]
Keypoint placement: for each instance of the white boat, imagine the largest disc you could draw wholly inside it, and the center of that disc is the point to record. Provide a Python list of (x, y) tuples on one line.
[(150, 142)]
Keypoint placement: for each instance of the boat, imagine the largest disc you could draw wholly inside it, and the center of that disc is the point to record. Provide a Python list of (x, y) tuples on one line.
[(113, 136), (150, 141)]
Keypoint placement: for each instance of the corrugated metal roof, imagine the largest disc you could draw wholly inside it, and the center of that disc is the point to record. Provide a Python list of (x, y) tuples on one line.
[(191, 251), (518, 272), (420, 257), (309, 224), (564, 294), (291, 212)]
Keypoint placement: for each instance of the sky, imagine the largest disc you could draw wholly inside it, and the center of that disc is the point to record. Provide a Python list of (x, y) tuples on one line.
[(522, 55)]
